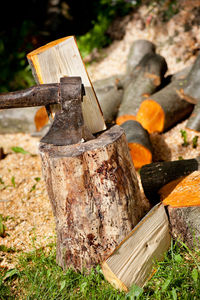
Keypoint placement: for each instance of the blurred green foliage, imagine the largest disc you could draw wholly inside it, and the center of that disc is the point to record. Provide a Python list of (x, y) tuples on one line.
[(28, 31), (15, 72), (107, 11)]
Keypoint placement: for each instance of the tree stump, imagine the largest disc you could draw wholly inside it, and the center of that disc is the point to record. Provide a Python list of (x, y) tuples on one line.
[(95, 197)]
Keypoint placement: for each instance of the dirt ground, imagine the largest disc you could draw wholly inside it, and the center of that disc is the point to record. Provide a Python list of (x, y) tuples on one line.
[(24, 203)]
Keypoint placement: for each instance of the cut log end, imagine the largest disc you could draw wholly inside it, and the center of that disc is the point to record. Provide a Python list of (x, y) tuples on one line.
[(151, 116), (47, 46), (41, 118), (185, 192), (112, 278), (140, 155), (122, 119), (138, 142)]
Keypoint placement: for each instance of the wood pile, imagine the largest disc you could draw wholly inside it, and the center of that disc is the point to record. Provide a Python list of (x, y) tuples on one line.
[(144, 94), (102, 226), (150, 103), (92, 184)]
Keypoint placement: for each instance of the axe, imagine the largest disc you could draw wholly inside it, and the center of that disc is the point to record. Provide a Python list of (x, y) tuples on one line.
[(68, 124)]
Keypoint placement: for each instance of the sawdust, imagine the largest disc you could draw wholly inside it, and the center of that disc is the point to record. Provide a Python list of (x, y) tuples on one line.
[(23, 198)]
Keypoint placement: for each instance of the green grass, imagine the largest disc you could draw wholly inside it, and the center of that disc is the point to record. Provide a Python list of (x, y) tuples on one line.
[(37, 276)]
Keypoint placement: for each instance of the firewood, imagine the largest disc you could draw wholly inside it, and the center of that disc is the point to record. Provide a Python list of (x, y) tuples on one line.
[(132, 261), (150, 72), (156, 175), (109, 92), (139, 143), (171, 104), (182, 74), (194, 119), (41, 118), (183, 202), (95, 196), (193, 91), (62, 58), (137, 51), (185, 226)]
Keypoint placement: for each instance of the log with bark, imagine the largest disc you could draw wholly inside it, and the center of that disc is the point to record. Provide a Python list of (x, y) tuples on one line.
[(109, 92), (147, 77), (171, 104), (185, 224), (156, 175), (182, 199), (139, 143), (193, 91), (95, 196), (137, 51)]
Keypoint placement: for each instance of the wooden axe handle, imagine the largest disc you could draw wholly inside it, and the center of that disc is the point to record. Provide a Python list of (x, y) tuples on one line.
[(43, 94)]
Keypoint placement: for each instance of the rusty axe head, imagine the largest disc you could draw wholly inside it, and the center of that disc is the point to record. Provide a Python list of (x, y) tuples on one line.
[(68, 125)]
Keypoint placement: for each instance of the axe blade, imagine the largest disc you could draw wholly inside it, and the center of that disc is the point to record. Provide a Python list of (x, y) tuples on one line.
[(68, 125)]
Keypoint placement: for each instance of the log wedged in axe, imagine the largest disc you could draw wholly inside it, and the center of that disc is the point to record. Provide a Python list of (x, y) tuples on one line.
[(68, 125)]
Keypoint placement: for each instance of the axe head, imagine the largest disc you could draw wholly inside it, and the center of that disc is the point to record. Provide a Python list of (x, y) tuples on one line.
[(68, 125)]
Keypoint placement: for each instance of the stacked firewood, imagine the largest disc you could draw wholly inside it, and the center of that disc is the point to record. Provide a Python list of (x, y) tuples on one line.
[(144, 101)]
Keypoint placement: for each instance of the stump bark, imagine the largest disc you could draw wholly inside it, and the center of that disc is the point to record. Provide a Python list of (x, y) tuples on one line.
[(185, 224), (95, 197)]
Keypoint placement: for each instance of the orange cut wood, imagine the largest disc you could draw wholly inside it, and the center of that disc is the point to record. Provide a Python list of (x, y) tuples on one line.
[(122, 119), (140, 155), (139, 143), (151, 116), (186, 191), (41, 118)]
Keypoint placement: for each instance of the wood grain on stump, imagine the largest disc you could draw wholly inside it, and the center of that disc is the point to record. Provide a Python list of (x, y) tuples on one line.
[(95, 197)]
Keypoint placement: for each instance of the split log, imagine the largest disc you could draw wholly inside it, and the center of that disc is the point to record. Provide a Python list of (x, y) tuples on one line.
[(139, 143), (150, 72), (183, 202), (171, 104), (61, 58), (109, 92), (95, 197), (137, 51), (132, 261), (156, 175)]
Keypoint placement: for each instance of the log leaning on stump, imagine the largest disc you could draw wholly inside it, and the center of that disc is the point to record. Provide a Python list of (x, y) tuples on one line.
[(139, 143), (171, 104), (149, 74), (95, 197)]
